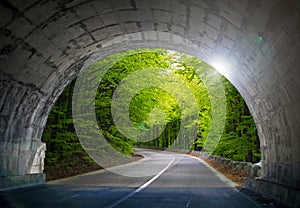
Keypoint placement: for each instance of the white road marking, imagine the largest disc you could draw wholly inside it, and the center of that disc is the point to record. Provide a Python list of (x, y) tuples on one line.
[(188, 204), (141, 187)]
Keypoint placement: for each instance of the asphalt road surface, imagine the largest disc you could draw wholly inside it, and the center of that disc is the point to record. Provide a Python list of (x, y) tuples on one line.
[(161, 179)]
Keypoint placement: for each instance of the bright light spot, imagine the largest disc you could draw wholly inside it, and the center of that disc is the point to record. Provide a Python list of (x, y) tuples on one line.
[(168, 71), (165, 72), (175, 65), (221, 66)]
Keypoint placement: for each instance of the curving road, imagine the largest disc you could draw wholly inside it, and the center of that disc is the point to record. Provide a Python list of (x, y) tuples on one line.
[(161, 179)]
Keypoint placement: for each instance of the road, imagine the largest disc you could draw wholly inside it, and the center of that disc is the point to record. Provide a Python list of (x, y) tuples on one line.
[(161, 179)]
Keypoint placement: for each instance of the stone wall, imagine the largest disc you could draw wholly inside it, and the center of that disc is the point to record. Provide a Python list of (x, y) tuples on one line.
[(252, 171)]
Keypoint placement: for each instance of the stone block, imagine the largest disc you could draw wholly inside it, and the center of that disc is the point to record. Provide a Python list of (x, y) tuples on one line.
[(164, 36), (144, 16), (227, 43), (84, 40), (102, 6), (178, 30), (59, 25), (150, 35), (194, 36), (16, 60), (5, 16), (178, 20), (62, 40), (110, 18), (23, 71), (161, 16), (233, 17), (179, 7), (100, 34), (196, 19), (20, 32), (232, 32), (142, 4), (213, 20), (41, 12), (33, 62), (85, 11), (122, 5), (164, 27), (114, 30), (93, 23), (7, 46), (128, 16), (92, 48), (210, 32), (22, 5), (147, 26), (176, 39), (48, 85), (161, 5), (131, 27)]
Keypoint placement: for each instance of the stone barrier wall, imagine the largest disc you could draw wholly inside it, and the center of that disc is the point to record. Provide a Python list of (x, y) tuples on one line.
[(251, 170)]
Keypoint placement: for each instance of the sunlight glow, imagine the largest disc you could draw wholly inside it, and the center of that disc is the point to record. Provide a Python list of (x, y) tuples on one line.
[(221, 65)]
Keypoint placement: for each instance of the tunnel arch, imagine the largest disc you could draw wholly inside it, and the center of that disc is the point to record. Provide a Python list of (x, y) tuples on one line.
[(44, 45)]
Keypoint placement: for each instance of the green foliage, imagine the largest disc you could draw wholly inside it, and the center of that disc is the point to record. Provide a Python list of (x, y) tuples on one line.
[(139, 110), (63, 146), (238, 142)]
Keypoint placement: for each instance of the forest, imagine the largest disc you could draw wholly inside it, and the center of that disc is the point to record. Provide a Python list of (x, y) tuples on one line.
[(157, 112)]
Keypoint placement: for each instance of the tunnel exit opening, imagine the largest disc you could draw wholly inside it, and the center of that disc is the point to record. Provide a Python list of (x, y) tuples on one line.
[(238, 139)]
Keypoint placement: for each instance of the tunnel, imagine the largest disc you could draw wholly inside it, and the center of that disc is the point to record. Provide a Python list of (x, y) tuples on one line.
[(45, 44)]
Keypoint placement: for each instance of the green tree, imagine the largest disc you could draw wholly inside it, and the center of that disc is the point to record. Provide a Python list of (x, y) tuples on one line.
[(239, 140)]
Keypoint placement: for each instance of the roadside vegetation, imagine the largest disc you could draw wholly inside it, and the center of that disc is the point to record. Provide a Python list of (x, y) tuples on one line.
[(65, 155)]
